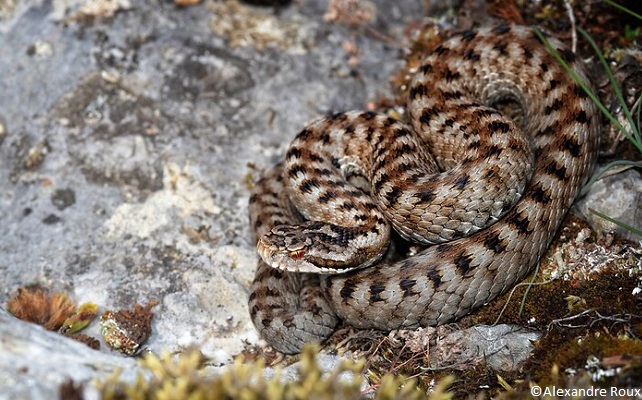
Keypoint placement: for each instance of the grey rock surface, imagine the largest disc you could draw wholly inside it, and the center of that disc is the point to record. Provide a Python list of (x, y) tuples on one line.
[(34, 362), (618, 197), (502, 346), (128, 134)]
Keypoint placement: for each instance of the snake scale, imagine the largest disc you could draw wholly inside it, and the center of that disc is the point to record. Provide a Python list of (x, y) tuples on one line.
[(488, 193)]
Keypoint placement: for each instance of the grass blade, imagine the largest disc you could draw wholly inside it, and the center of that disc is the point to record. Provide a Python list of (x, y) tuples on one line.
[(603, 170), (582, 84), (616, 222), (633, 135), (622, 8)]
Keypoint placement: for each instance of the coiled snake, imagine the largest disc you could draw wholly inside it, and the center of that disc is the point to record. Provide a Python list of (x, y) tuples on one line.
[(490, 214)]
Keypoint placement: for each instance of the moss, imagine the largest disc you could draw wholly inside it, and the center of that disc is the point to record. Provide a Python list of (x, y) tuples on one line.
[(586, 272), (184, 378), (600, 353), (35, 304), (53, 311), (127, 330)]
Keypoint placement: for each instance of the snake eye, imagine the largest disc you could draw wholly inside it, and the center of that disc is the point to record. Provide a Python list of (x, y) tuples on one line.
[(297, 254)]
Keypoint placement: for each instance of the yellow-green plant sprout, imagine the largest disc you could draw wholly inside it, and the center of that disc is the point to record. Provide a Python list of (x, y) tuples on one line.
[(81, 318)]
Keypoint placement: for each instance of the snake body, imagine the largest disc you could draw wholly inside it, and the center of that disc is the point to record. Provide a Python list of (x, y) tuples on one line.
[(487, 192)]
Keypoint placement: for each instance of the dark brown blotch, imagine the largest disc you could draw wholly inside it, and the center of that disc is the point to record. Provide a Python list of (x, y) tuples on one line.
[(543, 66), (368, 115), (406, 286), (360, 217), (450, 75), (347, 206), (338, 117), (559, 171), (296, 170), (461, 183), (548, 131), (498, 126), (309, 185), (555, 106), (336, 163), (293, 152), (434, 277), (427, 114), (327, 196), (316, 158), (441, 50), (266, 322), (425, 197), (406, 148), (463, 263), (375, 291), (392, 196), (493, 150), (501, 29), (582, 117), (567, 55), (304, 133), (495, 244), (276, 274), (519, 222), (501, 48), (468, 35), (322, 171), (383, 179), (348, 289), (451, 95), (471, 55), (580, 92), (401, 132), (474, 145), (418, 90), (539, 195), (571, 146)]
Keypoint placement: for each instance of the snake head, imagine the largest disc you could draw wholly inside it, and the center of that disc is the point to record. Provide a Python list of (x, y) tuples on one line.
[(286, 247), (314, 247)]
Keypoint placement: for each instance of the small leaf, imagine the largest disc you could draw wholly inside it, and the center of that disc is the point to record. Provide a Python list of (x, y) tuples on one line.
[(502, 382), (77, 322)]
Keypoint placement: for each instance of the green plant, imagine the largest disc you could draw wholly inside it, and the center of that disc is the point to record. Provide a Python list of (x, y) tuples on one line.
[(184, 378)]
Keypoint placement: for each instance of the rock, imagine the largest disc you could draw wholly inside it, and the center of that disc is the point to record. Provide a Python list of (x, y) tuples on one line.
[(129, 134), (501, 347), (618, 197), (34, 362)]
